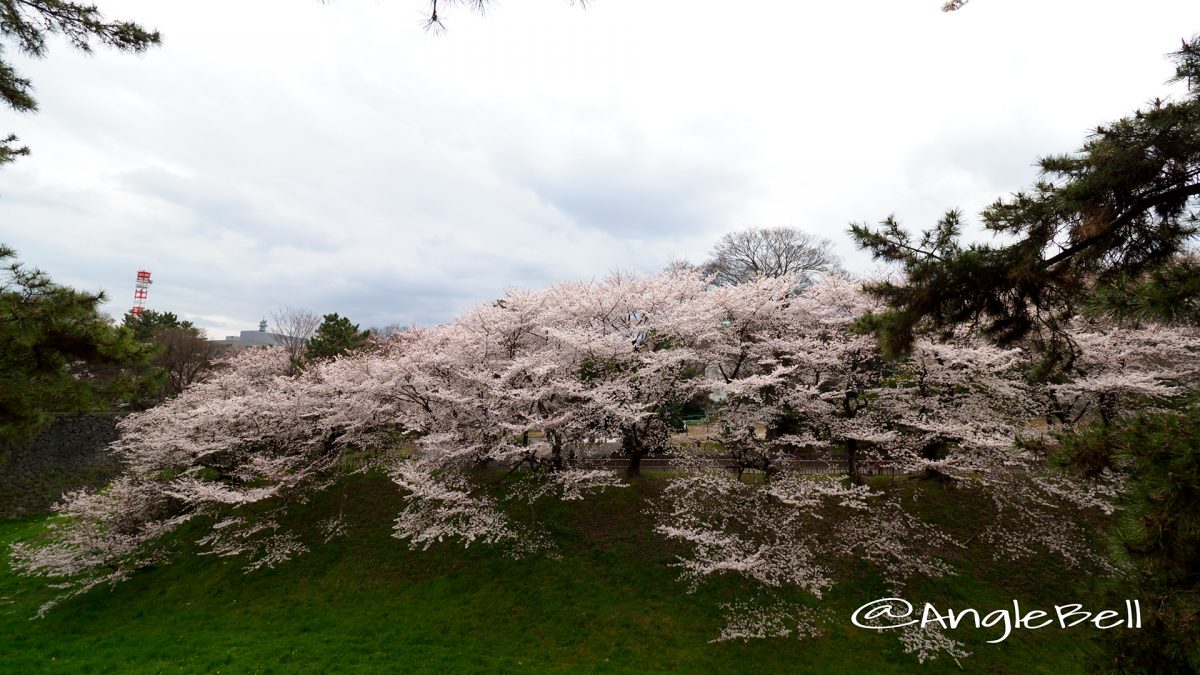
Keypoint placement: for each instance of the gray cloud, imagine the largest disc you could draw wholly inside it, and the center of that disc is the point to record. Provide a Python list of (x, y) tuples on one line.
[(629, 197), (334, 156)]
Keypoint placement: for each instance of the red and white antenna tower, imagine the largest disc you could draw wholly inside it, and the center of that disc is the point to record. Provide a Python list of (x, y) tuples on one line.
[(140, 290)]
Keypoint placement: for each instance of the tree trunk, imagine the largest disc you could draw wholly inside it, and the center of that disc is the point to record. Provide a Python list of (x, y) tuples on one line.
[(556, 451), (852, 461), (631, 447), (635, 465)]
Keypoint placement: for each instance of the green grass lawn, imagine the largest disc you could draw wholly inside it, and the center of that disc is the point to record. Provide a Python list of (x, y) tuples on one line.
[(607, 600)]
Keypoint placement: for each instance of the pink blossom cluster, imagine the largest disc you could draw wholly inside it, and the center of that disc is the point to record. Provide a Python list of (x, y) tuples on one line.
[(537, 379)]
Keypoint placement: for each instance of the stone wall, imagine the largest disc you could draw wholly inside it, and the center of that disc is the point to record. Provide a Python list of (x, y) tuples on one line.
[(70, 453)]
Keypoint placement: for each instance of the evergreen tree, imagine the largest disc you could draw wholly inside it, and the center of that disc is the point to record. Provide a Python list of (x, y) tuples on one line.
[(58, 353), (1122, 208), (1108, 231), (336, 335), (25, 24), (1159, 537), (1168, 294), (150, 321), (182, 352)]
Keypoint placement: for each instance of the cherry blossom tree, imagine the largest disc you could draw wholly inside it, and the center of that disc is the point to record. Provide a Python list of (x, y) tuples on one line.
[(953, 409), (636, 340), (236, 451), (739, 360), (827, 369), (1118, 369), (549, 369), (805, 367), (779, 537), (522, 385)]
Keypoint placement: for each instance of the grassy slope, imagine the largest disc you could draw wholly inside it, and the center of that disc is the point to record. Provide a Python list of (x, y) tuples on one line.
[(608, 602)]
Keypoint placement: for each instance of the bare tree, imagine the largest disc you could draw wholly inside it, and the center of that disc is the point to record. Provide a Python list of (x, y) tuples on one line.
[(391, 330), (434, 21), (293, 328), (769, 252), (679, 266), (187, 356)]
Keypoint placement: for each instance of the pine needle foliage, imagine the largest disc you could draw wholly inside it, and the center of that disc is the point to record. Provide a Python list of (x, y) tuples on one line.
[(1121, 208), (28, 24)]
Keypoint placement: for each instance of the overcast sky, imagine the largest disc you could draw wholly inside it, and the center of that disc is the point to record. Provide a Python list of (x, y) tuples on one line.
[(337, 156)]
